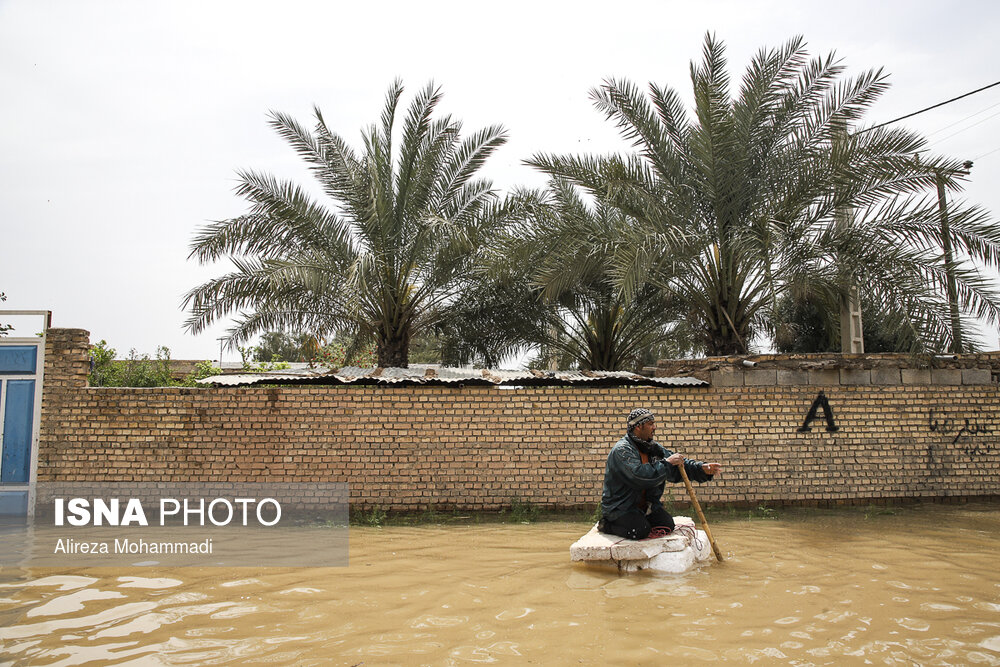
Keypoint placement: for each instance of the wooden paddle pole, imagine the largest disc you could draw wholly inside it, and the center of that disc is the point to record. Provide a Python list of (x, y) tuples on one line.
[(701, 515)]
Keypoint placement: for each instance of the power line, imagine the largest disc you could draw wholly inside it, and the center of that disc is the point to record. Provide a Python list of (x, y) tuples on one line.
[(979, 122), (935, 106), (979, 157), (959, 122)]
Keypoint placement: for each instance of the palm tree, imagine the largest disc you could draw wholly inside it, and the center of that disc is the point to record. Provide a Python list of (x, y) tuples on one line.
[(766, 193), (386, 261), (563, 257)]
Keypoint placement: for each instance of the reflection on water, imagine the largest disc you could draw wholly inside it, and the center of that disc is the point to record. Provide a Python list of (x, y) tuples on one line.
[(919, 586)]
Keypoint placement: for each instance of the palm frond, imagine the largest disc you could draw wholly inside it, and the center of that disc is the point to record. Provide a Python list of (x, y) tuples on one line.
[(386, 259)]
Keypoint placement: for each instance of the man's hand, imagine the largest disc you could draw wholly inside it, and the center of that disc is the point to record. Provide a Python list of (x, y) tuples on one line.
[(711, 468), (675, 459)]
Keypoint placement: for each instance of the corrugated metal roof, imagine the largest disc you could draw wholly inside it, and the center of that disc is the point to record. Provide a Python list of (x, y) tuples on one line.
[(435, 375)]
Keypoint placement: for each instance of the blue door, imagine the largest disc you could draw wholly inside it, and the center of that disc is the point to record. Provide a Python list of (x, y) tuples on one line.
[(18, 420), (20, 380)]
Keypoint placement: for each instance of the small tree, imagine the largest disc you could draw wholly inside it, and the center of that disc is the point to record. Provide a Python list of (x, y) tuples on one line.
[(280, 346)]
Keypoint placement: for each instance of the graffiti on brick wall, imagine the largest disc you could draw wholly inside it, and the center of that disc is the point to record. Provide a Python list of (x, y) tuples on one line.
[(971, 432), (821, 402)]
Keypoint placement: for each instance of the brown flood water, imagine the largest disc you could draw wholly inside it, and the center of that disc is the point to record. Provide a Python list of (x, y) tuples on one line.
[(916, 587)]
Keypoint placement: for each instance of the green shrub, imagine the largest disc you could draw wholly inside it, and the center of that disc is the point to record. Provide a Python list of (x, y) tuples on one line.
[(135, 371), (523, 512), (202, 370), (375, 517)]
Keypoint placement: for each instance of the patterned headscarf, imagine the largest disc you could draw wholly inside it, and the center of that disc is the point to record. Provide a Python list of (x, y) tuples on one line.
[(638, 416)]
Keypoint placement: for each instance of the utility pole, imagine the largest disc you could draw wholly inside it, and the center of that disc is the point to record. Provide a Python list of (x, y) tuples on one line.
[(852, 339), (949, 260)]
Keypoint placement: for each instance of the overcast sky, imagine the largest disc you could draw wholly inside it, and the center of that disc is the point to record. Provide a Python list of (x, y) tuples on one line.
[(122, 124)]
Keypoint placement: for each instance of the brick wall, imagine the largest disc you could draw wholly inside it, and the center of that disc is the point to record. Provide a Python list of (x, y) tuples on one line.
[(413, 447), (67, 360), (833, 369)]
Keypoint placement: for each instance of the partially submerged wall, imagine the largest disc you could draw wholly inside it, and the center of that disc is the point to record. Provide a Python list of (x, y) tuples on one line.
[(414, 447)]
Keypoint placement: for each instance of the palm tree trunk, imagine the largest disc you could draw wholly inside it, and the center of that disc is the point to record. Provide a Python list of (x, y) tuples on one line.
[(725, 337), (394, 352), (720, 344)]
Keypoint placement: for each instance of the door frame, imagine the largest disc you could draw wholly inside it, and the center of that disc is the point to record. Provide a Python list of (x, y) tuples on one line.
[(36, 421)]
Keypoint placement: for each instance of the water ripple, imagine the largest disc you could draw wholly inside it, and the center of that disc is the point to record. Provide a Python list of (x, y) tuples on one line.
[(453, 595)]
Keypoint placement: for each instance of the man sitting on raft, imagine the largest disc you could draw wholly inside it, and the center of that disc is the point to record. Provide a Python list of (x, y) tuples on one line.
[(634, 478)]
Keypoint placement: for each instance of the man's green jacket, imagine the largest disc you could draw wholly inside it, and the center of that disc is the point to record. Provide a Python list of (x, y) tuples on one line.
[(626, 476)]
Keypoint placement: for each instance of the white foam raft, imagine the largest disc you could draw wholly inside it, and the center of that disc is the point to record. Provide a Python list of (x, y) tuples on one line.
[(675, 553)]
